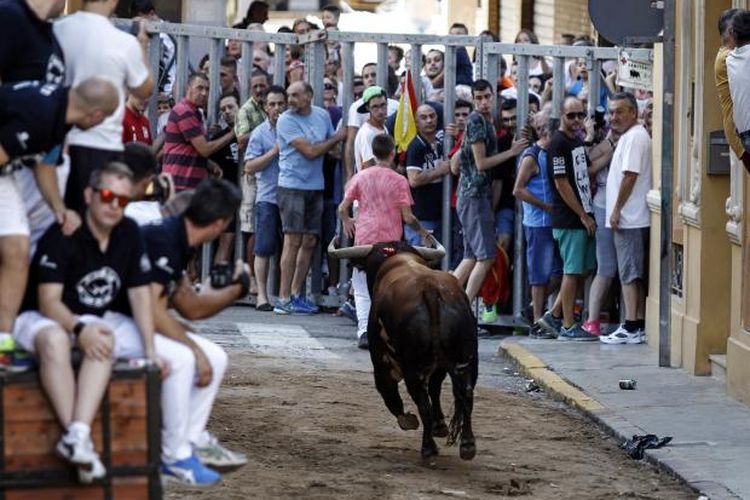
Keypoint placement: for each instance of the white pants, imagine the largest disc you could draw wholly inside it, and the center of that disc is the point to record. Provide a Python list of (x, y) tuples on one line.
[(13, 221), (185, 407), (361, 300)]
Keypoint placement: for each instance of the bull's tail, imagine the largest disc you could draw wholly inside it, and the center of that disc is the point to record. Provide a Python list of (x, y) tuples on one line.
[(454, 429), (460, 393)]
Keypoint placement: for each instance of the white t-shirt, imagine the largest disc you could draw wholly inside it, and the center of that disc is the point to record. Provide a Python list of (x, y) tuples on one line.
[(738, 72), (144, 212), (633, 154), (363, 144), (356, 119), (94, 47)]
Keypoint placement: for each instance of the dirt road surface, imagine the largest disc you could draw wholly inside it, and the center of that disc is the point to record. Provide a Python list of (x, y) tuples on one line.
[(317, 431)]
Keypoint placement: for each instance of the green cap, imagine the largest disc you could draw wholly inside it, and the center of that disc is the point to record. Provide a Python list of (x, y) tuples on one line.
[(369, 93)]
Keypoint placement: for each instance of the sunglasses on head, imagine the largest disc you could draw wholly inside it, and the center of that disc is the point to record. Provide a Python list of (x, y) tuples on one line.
[(108, 196), (573, 115)]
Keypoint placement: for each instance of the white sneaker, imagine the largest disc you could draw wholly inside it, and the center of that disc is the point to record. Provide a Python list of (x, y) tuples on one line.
[(622, 336), (95, 470), (216, 455), (77, 448)]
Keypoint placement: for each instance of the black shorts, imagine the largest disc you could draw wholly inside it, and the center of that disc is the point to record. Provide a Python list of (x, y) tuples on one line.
[(301, 210)]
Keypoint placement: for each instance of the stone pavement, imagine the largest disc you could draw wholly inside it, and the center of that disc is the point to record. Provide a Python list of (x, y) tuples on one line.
[(711, 445)]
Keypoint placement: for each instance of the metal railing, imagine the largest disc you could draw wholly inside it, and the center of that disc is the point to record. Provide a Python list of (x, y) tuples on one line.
[(487, 66)]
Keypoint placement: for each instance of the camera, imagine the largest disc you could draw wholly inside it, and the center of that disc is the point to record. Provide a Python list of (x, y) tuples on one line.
[(599, 114)]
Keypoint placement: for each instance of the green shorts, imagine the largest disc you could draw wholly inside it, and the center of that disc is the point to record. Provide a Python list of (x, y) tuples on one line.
[(577, 249)]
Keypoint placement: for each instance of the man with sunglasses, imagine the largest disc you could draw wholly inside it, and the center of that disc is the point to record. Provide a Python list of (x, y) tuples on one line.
[(89, 290), (573, 225)]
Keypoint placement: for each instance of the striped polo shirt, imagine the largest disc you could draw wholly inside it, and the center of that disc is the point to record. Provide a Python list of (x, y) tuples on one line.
[(181, 159)]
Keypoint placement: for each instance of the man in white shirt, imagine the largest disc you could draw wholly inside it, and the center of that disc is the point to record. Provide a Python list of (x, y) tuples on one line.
[(94, 47), (374, 101), (738, 71), (628, 183)]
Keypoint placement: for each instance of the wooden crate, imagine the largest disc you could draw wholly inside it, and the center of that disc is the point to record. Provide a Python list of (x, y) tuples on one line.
[(126, 433)]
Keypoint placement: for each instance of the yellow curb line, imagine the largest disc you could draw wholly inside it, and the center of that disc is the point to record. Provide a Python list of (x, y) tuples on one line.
[(533, 367)]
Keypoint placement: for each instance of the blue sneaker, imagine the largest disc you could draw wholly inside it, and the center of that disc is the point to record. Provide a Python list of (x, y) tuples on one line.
[(550, 324), (189, 471), (299, 306), (283, 307), (309, 304), (348, 310), (576, 333)]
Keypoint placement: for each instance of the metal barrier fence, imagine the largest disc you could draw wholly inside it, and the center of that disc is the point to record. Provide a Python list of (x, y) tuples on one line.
[(487, 66)]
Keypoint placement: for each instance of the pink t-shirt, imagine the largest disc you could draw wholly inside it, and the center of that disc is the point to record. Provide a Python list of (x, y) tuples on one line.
[(381, 192)]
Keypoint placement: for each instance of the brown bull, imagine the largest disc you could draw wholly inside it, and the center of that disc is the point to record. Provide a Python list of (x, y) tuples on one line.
[(420, 328)]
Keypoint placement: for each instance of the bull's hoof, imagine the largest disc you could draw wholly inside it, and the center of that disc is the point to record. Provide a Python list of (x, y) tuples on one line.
[(467, 451), (408, 421), (440, 429), (429, 451)]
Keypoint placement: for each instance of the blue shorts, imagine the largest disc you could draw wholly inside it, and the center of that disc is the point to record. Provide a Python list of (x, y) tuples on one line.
[(475, 215), (267, 229), (542, 257), (505, 221), (606, 259)]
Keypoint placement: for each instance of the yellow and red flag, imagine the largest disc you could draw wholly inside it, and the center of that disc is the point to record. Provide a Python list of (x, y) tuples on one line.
[(406, 125)]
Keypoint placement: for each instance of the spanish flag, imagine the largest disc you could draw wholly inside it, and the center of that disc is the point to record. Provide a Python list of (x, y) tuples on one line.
[(406, 126)]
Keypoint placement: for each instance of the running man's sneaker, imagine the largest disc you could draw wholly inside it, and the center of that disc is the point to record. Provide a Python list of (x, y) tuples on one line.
[(299, 306), (96, 470), (77, 448), (489, 313), (576, 333), (216, 455), (593, 327), (313, 307), (189, 471), (622, 336), (283, 306), (550, 324)]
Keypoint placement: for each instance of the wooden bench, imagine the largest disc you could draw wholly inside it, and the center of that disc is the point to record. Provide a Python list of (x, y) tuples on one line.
[(126, 433)]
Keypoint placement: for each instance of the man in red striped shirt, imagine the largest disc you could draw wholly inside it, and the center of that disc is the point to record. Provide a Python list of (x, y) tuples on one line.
[(186, 147)]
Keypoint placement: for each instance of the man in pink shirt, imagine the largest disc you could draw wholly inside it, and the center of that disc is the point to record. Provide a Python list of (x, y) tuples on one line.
[(384, 202)]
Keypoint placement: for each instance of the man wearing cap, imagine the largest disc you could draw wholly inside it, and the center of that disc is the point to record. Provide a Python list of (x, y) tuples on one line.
[(375, 102)]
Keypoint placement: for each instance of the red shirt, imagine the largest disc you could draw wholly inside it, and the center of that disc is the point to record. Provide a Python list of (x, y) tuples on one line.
[(135, 127), (181, 159)]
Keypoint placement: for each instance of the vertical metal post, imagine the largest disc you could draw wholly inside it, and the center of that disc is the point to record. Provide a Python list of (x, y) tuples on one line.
[(347, 99), (279, 65), (667, 165), (416, 70), (154, 57), (595, 85), (181, 72), (449, 102), (244, 70), (315, 69), (558, 91), (519, 271), (492, 67), (382, 62)]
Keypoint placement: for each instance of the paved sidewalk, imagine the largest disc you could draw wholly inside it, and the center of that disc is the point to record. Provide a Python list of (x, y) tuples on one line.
[(711, 445)]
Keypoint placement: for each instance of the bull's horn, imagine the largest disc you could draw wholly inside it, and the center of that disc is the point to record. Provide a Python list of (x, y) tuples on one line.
[(348, 252), (436, 253)]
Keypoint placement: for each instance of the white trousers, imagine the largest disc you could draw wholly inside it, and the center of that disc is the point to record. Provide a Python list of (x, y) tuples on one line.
[(361, 300), (185, 407)]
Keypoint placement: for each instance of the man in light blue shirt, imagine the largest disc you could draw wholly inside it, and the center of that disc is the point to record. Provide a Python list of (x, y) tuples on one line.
[(304, 135), (262, 162)]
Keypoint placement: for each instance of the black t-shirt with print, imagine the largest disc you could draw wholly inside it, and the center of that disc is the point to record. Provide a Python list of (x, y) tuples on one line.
[(168, 249), (568, 159), (29, 49), (94, 282), (227, 157), (422, 156)]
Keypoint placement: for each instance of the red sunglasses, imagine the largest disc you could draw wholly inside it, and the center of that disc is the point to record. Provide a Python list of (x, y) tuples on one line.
[(108, 196)]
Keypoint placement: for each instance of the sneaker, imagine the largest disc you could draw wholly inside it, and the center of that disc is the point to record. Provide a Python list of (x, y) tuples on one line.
[(347, 309), (77, 448), (593, 327), (96, 470), (576, 333), (550, 324), (216, 455), (622, 336), (300, 307), (265, 307), (537, 332), (489, 313), (189, 471), (363, 342), (283, 307), (309, 304)]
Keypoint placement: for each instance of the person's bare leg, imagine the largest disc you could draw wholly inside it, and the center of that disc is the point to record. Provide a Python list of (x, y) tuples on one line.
[(250, 254), (292, 243), (538, 296), (261, 275), (93, 378), (224, 250), (53, 346), (567, 296), (599, 287), (14, 270), (476, 278), (641, 313), (304, 256), (463, 271), (630, 295)]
